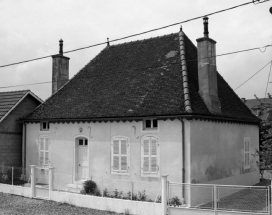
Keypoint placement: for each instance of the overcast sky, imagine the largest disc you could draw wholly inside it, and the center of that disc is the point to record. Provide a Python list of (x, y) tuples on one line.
[(33, 28)]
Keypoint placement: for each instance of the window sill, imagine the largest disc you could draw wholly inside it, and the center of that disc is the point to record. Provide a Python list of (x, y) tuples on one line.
[(150, 130), (119, 173), (154, 175)]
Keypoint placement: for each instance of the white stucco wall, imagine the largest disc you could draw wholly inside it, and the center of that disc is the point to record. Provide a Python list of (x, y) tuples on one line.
[(99, 135), (217, 153)]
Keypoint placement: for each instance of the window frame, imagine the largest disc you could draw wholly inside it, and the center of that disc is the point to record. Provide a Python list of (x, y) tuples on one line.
[(120, 171), (44, 151), (150, 173), (246, 153), (152, 128), (47, 126)]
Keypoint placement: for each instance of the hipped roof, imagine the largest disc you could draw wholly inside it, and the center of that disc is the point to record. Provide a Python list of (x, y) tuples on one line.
[(138, 79)]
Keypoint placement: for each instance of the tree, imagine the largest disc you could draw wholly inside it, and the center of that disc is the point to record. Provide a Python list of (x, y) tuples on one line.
[(265, 135)]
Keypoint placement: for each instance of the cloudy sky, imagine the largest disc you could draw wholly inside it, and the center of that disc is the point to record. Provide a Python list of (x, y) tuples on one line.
[(32, 28)]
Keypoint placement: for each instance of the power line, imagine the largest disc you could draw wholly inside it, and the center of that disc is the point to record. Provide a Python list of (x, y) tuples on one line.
[(267, 81), (144, 32), (151, 67), (252, 76)]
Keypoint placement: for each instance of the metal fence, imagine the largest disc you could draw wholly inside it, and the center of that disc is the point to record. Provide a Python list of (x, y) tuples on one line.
[(220, 197), (12, 175)]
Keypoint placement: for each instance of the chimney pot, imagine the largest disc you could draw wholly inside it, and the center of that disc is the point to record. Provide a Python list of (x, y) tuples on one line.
[(205, 22), (61, 47), (207, 72)]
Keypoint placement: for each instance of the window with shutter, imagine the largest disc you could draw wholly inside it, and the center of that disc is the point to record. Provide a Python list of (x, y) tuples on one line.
[(120, 155), (150, 156), (44, 151), (246, 152)]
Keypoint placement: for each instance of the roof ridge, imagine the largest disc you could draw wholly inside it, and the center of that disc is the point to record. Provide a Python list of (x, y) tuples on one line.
[(15, 91), (185, 82), (150, 38)]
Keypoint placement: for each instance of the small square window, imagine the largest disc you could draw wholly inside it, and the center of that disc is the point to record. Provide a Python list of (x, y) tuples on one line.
[(44, 126), (80, 142), (150, 124)]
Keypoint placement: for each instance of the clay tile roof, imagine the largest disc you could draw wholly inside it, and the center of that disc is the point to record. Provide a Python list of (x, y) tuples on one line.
[(8, 100), (137, 79)]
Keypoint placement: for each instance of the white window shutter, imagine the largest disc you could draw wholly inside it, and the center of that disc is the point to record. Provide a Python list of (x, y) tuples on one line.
[(115, 155), (153, 155), (41, 152), (146, 153), (150, 156)]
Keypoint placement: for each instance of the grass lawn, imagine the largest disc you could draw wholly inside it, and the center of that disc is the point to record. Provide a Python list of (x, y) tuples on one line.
[(17, 205), (253, 200)]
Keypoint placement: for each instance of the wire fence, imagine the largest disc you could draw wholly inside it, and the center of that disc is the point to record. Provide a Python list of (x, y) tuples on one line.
[(12, 175), (220, 197)]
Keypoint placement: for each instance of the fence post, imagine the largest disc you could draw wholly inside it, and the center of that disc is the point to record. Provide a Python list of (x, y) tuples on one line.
[(51, 181), (102, 187), (11, 175), (131, 190), (164, 195), (215, 197), (32, 181), (270, 196)]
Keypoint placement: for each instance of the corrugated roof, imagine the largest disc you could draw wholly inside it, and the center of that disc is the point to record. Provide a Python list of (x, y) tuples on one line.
[(137, 79)]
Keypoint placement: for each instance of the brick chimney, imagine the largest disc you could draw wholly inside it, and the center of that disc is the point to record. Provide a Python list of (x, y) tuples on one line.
[(207, 72), (60, 70)]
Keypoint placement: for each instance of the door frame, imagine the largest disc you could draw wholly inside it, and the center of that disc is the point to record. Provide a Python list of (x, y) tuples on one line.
[(75, 160)]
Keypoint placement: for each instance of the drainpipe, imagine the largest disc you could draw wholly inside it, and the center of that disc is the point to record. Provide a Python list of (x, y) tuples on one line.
[(183, 156), (24, 150)]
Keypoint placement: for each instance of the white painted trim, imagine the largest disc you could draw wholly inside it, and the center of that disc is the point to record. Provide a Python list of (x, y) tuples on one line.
[(14, 106)]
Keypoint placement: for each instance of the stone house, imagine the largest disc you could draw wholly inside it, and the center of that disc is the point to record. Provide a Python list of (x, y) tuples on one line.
[(144, 109)]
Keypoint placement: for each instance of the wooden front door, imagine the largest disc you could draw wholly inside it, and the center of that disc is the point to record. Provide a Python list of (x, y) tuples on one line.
[(82, 159)]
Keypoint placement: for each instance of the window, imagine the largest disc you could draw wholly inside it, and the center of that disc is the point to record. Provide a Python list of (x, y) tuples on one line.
[(82, 142), (247, 152), (44, 126), (150, 124), (44, 151), (119, 155), (150, 156)]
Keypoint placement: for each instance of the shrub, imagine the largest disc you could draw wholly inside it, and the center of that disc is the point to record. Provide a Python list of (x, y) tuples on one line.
[(175, 201), (142, 196), (90, 187), (117, 194), (158, 200), (106, 193)]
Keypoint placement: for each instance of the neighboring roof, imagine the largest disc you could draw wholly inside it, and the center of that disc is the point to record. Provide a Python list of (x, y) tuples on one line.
[(257, 108), (9, 100), (138, 79), (254, 103)]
